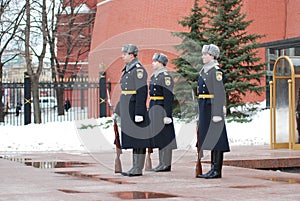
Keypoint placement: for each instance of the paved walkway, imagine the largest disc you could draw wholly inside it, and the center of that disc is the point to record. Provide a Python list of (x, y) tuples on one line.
[(90, 177)]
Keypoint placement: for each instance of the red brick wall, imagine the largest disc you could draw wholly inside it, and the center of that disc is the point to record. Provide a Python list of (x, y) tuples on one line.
[(80, 40), (149, 23)]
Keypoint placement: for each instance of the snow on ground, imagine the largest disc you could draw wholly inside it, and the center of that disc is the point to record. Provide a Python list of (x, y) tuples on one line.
[(98, 134)]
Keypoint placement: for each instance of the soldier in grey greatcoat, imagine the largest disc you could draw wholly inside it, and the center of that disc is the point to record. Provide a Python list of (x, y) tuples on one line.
[(211, 100), (132, 109), (160, 112)]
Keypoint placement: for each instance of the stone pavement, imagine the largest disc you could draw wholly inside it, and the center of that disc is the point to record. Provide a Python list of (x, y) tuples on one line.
[(77, 176)]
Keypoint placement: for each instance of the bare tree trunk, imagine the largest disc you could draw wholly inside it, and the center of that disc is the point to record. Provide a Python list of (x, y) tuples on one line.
[(34, 76), (34, 81), (1, 95), (10, 22)]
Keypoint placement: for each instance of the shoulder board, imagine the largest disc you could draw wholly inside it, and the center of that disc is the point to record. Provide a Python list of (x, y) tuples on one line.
[(166, 73), (138, 65), (217, 67)]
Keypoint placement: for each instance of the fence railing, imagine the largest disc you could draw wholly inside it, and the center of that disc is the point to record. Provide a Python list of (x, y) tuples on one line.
[(84, 96)]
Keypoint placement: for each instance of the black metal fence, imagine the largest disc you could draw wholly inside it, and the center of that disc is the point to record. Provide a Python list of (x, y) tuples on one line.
[(87, 99)]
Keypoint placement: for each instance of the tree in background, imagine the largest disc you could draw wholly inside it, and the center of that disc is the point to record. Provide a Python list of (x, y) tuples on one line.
[(225, 26), (11, 13), (35, 34), (28, 28), (188, 63), (69, 37)]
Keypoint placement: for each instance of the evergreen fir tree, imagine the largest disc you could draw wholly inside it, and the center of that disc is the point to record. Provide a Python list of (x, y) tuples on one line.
[(188, 63), (225, 26), (238, 58)]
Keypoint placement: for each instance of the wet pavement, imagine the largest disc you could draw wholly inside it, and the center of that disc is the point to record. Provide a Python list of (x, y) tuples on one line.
[(43, 176)]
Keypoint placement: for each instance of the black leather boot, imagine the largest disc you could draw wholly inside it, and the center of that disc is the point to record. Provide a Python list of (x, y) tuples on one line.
[(217, 172), (166, 160), (212, 166)]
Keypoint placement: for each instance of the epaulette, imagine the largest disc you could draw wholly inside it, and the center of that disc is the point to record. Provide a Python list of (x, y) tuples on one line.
[(138, 65), (166, 73)]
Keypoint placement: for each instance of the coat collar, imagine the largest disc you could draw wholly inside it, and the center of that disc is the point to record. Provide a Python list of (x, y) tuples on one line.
[(209, 66), (131, 64), (157, 72)]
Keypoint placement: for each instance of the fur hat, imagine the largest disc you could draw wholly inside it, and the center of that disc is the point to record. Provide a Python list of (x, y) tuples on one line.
[(160, 57), (130, 49), (212, 50)]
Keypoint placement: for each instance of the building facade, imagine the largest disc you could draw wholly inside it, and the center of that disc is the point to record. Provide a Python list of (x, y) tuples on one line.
[(74, 33), (149, 24)]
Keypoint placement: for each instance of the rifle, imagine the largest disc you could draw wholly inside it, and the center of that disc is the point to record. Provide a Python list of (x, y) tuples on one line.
[(199, 152), (118, 165), (148, 165), (198, 164)]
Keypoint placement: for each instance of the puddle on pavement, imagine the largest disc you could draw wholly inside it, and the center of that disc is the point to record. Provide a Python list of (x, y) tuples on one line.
[(284, 180), (141, 195), (92, 177), (286, 169), (48, 164), (16, 159), (56, 164), (71, 191), (248, 186), (281, 179)]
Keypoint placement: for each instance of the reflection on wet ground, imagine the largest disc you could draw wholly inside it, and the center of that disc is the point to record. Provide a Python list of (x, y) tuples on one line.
[(284, 180), (248, 186), (48, 164), (281, 179), (71, 191), (65, 164), (56, 164), (141, 195), (93, 177), (286, 169)]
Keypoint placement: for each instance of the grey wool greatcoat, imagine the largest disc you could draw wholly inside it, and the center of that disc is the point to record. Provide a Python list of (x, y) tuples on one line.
[(212, 135), (133, 102), (161, 105)]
